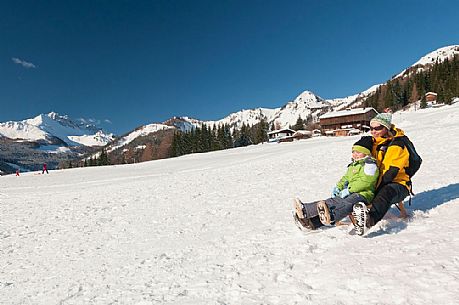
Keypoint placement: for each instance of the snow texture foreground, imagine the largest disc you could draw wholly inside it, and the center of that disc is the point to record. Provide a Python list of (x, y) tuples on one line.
[(217, 228)]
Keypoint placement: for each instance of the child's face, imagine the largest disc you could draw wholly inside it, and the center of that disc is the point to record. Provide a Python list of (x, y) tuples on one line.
[(357, 155)]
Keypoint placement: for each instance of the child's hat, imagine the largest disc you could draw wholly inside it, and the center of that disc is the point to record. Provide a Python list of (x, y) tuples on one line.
[(364, 145), (384, 119)]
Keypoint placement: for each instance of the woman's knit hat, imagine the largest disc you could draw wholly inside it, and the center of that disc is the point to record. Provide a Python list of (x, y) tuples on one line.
[(384, 119), (364, 145)]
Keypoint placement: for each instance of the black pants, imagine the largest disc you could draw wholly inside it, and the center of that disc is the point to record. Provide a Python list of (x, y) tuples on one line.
[(388, 195)]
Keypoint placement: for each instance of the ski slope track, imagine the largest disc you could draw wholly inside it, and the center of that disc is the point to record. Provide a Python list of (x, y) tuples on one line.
[(216, 228)]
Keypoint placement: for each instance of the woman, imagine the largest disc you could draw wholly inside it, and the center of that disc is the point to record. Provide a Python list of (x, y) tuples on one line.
[(394, 183)]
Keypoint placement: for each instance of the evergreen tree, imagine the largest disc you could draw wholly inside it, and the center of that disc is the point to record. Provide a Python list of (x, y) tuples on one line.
[(221, 137), (103, 158), (244, 137), (261, 132), (299, 124)]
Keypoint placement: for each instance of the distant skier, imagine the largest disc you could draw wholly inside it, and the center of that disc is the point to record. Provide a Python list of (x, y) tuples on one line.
[(45, 169), (17, 172), (357, 185)]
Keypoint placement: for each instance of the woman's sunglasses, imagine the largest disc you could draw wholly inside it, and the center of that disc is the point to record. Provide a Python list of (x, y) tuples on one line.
[(380, 127)]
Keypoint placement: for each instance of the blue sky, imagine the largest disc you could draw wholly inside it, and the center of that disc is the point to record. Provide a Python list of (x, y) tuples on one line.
[(138, 62)]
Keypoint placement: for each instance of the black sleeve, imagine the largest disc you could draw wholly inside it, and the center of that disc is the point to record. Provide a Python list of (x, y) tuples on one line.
[(389, 176)]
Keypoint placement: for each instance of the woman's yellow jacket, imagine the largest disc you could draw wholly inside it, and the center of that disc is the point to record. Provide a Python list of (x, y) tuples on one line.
[(392, 158)]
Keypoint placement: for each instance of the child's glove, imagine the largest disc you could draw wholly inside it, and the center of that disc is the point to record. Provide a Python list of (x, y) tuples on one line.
[(335, 192), (344, 193)]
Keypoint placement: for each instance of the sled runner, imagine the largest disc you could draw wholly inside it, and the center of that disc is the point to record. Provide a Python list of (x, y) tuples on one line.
[(314, 224)]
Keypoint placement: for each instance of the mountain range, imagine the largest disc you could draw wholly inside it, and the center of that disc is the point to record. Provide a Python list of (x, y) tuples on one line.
[(57, 130), (54, 133)]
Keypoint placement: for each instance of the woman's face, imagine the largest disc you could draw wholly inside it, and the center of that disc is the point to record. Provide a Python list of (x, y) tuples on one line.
[(377, 130)]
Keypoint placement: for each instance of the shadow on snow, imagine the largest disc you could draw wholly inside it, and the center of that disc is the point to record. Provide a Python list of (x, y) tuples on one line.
[(421, 202)]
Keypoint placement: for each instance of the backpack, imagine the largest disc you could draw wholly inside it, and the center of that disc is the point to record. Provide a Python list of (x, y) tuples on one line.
[(415, 159)]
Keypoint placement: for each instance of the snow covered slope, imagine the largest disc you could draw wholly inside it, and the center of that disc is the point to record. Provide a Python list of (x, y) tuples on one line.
[(439, 55), (426, 61), (216, 228), (54, 128), (141, 131)]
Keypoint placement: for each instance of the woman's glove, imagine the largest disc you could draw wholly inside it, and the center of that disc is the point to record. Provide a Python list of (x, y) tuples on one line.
[(335, 192), (344, 193)]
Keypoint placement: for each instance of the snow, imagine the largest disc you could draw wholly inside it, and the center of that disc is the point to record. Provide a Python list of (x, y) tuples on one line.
[(216, 228), (439, 55), (98, 139), (310, 100), (248, 117), (142, 131), (21, 130), (54, 149), (46, 126), (346, 112)]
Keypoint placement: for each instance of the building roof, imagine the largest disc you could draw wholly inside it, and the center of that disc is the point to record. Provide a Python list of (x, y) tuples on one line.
[(303, 132), (281, 130), (347, 112)]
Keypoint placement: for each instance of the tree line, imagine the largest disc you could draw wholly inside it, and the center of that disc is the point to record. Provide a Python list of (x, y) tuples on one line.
[(205, 138), (100, 160), (442, 78)]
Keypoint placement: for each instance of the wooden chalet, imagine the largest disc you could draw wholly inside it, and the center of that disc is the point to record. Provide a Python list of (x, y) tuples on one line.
[(431, 100), (347, 122), (302, 134), (431, 97), (279, 135), (298, 135)]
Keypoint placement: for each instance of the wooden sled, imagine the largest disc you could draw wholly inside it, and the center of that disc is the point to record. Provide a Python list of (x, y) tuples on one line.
[(400, 206)]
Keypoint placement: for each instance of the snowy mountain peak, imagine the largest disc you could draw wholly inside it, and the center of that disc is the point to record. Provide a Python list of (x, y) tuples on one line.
[(428, 60), (439, 55), (307, 96), (54, 128), (310, 100), (54, 115)]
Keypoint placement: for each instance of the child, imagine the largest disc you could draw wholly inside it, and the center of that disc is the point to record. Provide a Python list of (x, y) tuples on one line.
[(357, 185)]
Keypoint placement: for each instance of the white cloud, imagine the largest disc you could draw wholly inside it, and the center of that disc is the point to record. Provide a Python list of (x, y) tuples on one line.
[(23, 63)]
